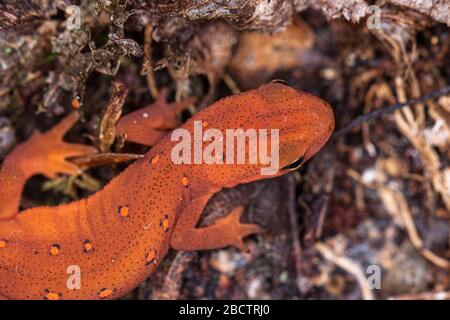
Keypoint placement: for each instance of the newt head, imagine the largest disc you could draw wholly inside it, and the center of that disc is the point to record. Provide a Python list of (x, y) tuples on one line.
[(306, 123), (295, 126)]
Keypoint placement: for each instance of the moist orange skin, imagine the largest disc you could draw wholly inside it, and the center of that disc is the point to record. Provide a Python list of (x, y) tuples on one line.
[(120, 234)]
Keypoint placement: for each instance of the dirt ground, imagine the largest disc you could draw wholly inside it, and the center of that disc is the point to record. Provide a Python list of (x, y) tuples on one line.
[(367, 218)]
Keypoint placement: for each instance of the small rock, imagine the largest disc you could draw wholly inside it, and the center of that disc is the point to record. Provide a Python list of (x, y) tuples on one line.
[(7, 137)]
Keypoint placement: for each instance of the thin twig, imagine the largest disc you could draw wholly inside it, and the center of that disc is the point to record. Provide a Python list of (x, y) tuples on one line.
[(441, 295), (151, 82), (173, 280), (348, 265), (377, 113), (326, 201), (408, 222), (295, 232), (231, 84)]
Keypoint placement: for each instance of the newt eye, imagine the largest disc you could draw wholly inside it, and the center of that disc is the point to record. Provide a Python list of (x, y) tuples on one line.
[(295, 165), (279, 81)]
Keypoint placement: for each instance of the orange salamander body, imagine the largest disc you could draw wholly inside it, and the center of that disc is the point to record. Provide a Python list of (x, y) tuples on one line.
[(116, 237)]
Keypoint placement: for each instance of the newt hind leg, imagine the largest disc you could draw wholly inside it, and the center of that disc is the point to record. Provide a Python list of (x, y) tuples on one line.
[(226, 231), (44, 153), (148, 125)]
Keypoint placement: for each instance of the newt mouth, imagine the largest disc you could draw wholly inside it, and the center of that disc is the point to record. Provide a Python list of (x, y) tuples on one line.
[(295, 164)]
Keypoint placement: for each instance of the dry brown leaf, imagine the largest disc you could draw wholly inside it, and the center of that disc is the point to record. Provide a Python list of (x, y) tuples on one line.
[(112, 114), (259, 56)]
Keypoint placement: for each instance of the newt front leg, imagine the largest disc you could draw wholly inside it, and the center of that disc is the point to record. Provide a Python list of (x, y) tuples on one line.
[(226, 231), (44, 153)]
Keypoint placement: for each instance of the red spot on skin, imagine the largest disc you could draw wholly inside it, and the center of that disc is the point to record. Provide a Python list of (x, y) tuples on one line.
[(124, 212), (150, 258), (165, 223), (52, 295), (105, 293), (55, 249), (155, 159), (87, 246)]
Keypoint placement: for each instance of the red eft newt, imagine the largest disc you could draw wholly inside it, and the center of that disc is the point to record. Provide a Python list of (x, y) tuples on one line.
[(119, 235)]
